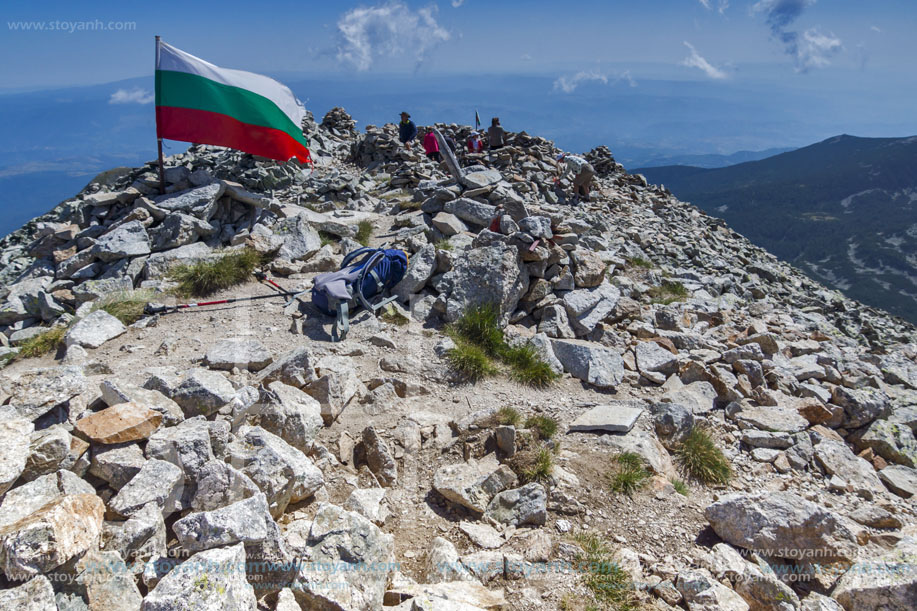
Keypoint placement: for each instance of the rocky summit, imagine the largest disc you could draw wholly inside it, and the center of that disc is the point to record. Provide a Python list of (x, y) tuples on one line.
[(652, 414)]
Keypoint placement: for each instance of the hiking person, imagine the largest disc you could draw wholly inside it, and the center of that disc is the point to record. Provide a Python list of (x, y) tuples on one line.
[(582, 171), (407, 131), (496, 135), (474, 143), (431, 145)]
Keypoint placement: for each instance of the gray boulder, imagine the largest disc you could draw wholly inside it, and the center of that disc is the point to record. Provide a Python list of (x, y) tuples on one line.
[(673, 423), (346, 540), (245, 521), (36, 594), (94, 330), (520, 506), (220, 484), (837, 459), (35, 392), (379, 458), (481, 179), (179, 230), (590, 362), (288, 413), (116, 464), (900, 479), (420, 269), (22, 501), (470, 211), (880, 582), (281, 472), (488, 275), (140, 538), (158, 482), (784, 525), (127, 240), (238, 352), (202, 392), (15, 440), (300, 239), (217, 581)]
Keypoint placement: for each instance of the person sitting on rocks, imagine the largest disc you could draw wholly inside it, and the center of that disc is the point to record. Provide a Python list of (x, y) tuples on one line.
[(407, 131), (431, 146), (582, 171), (496, 135), (475, 144)]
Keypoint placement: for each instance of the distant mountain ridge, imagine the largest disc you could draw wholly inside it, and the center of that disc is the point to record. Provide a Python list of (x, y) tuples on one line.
[(713, 160), (844, 210)]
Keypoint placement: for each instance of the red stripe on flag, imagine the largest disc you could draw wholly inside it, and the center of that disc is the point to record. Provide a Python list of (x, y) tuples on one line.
[(205, 127)]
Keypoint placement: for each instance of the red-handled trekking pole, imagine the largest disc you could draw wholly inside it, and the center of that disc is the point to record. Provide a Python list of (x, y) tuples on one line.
[(152, 308)]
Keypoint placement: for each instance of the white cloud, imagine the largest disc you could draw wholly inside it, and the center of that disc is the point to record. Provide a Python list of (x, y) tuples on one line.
[(876, 28), (695, 60), (811, 49), (722, 5), (815, 49), (137, 95), (626, 77), (457, 3), (526, 57), (388, 30), (568, 84)]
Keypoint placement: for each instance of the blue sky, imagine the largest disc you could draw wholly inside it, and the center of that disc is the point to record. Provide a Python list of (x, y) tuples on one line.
[(789, 42)]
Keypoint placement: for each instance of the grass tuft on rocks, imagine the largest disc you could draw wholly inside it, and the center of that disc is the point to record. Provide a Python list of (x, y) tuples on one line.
[(393, 316), (207, 277), (479, 327), (630, 474), (668, 292), (508, 416), (364, 232), (41, 344), (443, 244), (126, 306), (609, 583), (703, 460), (680, 486), (639, 262), (470, 361), (532, 465), (545, 426), (527, 368)]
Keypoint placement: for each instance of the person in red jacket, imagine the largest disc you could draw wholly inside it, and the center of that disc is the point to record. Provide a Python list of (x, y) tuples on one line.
[(431, 146)]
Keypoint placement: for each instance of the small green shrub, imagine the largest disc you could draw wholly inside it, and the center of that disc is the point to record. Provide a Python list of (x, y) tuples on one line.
[(630, 474), (480, 325), (470, 361), (680, 486), (702, 459), (41, 344), (328, 238), (608, 582), (509, 416), (443, 244), (545, 426), (668, 292), (207, 277), (393, 316), (527, 368), (542, 467), (639, 262), (126, 306), (364, 232)]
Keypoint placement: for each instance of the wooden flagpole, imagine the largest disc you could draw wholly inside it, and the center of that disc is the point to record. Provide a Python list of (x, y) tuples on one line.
[(162, 179)]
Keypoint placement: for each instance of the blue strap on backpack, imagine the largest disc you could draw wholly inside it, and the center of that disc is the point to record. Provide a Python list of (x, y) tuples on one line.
[(365, 274)]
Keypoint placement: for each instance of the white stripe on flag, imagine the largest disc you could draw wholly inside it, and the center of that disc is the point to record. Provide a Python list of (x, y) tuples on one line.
[(177, 60)]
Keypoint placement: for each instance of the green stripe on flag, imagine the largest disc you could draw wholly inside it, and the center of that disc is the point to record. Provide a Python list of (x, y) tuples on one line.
[(184, 90)]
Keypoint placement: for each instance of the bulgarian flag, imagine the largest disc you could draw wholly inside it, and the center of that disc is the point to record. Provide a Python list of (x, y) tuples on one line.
[(199, 102)]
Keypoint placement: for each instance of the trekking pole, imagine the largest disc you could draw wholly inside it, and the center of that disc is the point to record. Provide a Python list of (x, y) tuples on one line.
[(262, 276), (150, 308)]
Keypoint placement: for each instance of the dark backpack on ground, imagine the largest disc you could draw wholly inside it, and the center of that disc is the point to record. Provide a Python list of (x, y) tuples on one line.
[(365, 275)]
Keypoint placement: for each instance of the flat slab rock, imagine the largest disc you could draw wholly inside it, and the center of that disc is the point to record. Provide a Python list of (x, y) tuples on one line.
[(613, 417), (238, 352), (120, 423)]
